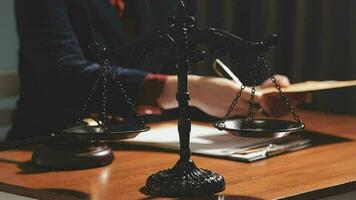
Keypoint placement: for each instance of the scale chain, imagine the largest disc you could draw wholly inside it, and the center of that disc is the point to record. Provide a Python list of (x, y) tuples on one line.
[(252, 99), (104, 72), (90, 96), (260, 62), (263, 62), (233, 105), (126, 96), (104, 93)]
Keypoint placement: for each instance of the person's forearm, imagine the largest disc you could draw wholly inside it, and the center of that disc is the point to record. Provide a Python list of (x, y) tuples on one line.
[(167, 99)]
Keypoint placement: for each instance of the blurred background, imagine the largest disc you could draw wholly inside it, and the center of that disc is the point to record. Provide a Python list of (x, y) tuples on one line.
[(8, 36), (317, 40)]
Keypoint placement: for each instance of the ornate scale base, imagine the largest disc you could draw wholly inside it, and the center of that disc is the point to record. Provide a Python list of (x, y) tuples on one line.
[(72, 155), (184, 179)]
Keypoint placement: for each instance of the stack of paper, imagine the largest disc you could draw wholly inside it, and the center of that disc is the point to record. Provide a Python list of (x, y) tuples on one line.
[(207, 140)]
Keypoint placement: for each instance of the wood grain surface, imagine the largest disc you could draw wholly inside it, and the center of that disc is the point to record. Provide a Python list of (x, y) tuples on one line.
[(277, 177)]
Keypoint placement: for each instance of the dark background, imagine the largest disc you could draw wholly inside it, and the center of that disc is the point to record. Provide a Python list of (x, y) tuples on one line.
[(317, 40)]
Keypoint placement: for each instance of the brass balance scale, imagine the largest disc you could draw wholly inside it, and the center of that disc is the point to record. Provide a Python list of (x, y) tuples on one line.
[(185, 178)]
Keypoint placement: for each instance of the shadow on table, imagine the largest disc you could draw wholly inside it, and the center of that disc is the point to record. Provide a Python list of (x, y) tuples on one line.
[(25, 167), (209, 197), (48, 193), (28, 167), (326, 193), (222, 197), (69, 193)]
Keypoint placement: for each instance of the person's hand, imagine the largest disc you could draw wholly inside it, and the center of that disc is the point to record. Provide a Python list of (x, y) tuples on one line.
[(214, 96), (272, 104), (211, 95)]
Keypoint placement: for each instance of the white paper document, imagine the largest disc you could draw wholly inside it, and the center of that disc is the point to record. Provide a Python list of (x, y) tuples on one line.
[(205, 140), (8, 196), (310, 86)]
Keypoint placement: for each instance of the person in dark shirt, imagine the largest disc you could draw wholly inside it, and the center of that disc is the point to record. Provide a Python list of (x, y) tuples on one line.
[(57, 68)]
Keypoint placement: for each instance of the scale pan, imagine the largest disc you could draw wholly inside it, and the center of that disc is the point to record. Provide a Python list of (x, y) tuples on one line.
[(259, 128), (110, 132)]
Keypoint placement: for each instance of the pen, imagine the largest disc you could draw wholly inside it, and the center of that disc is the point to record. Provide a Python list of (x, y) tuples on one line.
[(226, 70)]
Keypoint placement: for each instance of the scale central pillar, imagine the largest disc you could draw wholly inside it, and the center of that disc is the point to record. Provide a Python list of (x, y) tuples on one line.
[(185, 178), (183, 97)]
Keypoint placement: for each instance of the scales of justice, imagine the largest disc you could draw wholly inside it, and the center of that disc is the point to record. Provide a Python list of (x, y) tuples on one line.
[(80, 145)]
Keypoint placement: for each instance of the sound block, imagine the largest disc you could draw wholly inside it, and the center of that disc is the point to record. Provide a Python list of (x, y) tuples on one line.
[(72, 155)]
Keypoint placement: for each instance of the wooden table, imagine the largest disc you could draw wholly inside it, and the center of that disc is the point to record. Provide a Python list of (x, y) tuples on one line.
[(281, 176)]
